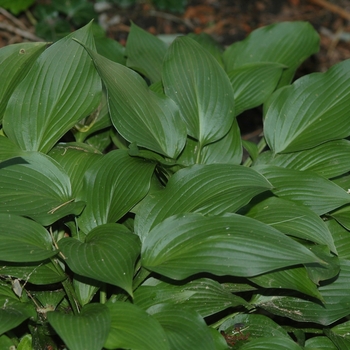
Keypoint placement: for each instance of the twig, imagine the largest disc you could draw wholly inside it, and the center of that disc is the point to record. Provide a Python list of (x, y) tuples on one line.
[(333, 8), (23, 33), (12, 18)]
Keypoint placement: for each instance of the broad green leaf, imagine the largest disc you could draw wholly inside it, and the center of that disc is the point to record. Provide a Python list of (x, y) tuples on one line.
[(292, 219), (133, 328), (36, 273), (23, 240), (342, 216), (25, 343), (112, 186), (305, 187), (13, 313), (208, 189), (15, 62), (253, 83), (197, 83), (61, 88), (203, 295), (235, 245), (271, 343), (36, 186), (257, 326), (108, 255), (184, 329), (311, 111), (340, 335), (329, 159), (227, 150), (210, 44), (97, 121), (251, 148), (8, 149), (149, 119), (341, 238), (287, 43), (336, 302), (145, 53), (319, 343), (6, 342), (295, 278), (88, 330), (109, 48), (75, 159), (85, 288)]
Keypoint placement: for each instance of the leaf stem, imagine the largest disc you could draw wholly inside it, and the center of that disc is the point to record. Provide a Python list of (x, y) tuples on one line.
[(261, 147), (140, 277)]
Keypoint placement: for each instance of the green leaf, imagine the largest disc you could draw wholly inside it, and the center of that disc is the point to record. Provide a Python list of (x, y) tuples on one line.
[(23, 240), (328, 159), (287, 43), (145, 53), (210, 44), (294, 124), (36, 186), (319, 343), (197, 83), (227, 150), (292, 219), (209, 189), (8, 149), (140, 115), (85, 288), (341, 238), (254, 325), (304, 187), (295, 278), (75, 159), (61, 88), (203, 295), (342, 216), (35, 273), (253, 83), (110, 49), (13, 313), (184, 329), (271, 343), (108, 255), (88, 330), (17, 6), (112, 186), (340, 335), (335, 295), (234, 245), (133, 328), (15, 62)]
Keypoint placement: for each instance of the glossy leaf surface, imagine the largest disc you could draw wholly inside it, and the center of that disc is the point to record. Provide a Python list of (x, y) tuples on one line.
[(108, 255), (193, 78), (133, 328), (112, 186), (233, 245), (311, 111), (61, 88), (306, 188), (15, 62), (287, 43), (149, 119), (88, 330), (145, 53), (23, 240), (36, 186), (208, 189)]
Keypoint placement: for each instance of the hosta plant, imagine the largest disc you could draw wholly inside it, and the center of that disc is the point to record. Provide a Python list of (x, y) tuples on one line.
[(129, 216)]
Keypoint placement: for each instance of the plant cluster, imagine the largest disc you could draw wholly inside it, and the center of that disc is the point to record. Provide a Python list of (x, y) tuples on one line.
[(55, 19), (128, 219)]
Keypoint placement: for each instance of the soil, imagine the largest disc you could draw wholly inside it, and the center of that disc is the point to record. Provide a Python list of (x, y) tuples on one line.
[(226, 20)]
